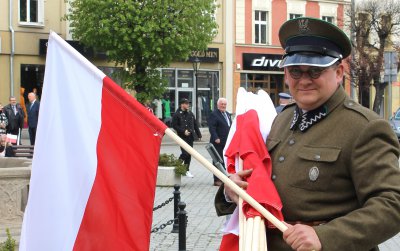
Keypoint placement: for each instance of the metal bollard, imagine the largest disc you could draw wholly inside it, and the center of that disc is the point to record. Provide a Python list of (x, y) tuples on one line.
[(177, 198), (182, 226)]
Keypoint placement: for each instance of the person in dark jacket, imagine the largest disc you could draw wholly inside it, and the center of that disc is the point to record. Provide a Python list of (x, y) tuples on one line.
[(185, 125), (15, 116), (33, 116), (219, 123)]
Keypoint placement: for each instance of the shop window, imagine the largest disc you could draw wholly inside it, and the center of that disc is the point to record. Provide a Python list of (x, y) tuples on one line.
[(271, 83), (31, 12), (169, 75), (185, 78), (260, 27)]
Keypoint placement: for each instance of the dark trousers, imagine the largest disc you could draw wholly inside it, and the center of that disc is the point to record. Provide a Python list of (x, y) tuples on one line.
[(32, 135), (185, 156)]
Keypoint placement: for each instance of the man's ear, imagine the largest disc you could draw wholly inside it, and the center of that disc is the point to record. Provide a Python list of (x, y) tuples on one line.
[(339, 73)]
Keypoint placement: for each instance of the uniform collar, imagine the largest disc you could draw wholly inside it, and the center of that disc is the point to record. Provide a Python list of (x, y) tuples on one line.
[(305, 120)]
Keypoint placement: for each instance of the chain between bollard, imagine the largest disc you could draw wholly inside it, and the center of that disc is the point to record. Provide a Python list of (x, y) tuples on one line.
[(162, 226), (163, 204)]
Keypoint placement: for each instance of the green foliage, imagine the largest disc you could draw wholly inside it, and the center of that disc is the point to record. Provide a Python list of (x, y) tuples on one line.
[(171, 160), (9, 244), (144, 35)]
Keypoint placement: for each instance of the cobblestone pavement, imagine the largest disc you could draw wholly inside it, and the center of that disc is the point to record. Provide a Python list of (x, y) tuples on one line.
[(203, 229)]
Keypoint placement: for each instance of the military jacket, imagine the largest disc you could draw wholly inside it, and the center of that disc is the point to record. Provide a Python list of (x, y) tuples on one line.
[(340, 166), (185, 120)]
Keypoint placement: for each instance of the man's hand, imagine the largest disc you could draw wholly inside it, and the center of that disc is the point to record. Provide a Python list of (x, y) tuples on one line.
[(187, 133), (217, 141), (238, 179), (302, 238)]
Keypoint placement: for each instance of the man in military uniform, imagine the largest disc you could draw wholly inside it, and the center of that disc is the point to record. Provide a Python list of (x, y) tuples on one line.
[(185, 126), (335, 163)]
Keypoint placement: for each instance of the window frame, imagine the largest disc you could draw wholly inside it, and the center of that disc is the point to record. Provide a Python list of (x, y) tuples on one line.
[(294, 15), (326, 19), (39, 15), (258, 27)]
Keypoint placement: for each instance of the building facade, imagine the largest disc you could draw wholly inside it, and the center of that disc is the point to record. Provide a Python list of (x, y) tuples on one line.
[(257, 48), (245, 53), (24, 30)]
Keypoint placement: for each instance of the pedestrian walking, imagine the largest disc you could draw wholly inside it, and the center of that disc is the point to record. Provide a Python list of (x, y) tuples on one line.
[(185, 125)]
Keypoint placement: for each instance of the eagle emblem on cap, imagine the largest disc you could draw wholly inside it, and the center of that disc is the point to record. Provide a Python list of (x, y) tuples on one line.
[(303, 25)]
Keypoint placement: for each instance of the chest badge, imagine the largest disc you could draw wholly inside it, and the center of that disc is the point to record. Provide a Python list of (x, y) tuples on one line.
[(313, 173)]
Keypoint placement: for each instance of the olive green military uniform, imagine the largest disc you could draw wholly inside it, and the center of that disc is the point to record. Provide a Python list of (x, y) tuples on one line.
[(340, 167)]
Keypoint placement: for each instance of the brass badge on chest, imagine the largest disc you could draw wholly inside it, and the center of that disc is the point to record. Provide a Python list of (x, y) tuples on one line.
[(313, 173)]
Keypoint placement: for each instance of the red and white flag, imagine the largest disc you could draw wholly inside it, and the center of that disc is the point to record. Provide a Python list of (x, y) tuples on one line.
[(95, 165), (254, 116)]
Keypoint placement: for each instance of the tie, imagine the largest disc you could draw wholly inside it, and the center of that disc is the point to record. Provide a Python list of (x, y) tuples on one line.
[(226, 118), (14, 109)]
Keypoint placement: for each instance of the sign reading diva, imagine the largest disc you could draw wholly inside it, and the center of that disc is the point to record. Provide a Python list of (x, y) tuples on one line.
[(261, 62)]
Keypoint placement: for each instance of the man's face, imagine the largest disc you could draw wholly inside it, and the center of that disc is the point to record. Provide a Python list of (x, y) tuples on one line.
[(31, 97), (185, 106), (221, 105), (310, 93), (13, 101)]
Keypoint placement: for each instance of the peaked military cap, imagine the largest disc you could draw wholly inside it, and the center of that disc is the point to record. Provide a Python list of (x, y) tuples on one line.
[(314, 42), (284, 95)]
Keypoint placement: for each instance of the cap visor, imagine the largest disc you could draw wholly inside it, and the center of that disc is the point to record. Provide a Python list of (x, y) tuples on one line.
[(308, 59)]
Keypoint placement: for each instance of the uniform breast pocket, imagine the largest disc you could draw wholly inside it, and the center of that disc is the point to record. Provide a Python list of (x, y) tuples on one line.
[(315, 167), (271, 144)]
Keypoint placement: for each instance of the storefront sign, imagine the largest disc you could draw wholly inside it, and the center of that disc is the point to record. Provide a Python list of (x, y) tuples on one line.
[(211, 55), (261, 62), (85, 51)]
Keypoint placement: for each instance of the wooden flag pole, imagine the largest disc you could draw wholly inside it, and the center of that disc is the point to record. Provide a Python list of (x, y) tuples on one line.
[(229, 183), (242, 220)]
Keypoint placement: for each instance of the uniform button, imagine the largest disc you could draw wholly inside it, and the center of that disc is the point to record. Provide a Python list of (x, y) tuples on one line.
[(273, 177), (281, 159), (291, 142), (317, 157)]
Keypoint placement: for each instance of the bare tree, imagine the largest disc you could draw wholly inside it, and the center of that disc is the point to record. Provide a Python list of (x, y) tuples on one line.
[(374, 24)]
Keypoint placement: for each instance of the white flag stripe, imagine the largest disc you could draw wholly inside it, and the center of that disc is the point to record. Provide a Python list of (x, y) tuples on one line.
[(70, 110)]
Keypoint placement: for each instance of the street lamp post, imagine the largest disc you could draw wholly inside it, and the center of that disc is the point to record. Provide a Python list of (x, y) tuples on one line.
[(196, 67)]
